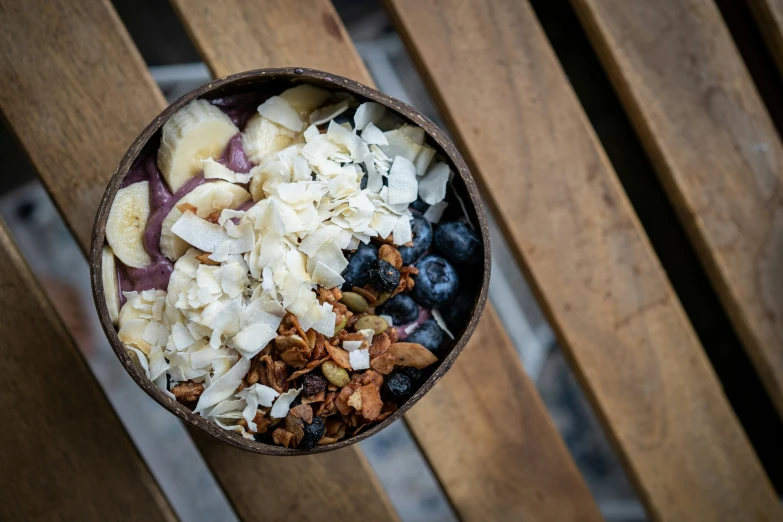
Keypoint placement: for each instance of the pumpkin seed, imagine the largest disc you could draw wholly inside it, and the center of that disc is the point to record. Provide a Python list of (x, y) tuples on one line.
[(355, 303), (334, 374), (371, 322)]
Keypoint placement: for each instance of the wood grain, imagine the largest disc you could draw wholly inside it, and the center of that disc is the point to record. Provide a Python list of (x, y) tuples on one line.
[(65, 67), (76, 107), (498, 83), (265, 34), (769, 17), (526, 470), (713, 144), (65, 454)]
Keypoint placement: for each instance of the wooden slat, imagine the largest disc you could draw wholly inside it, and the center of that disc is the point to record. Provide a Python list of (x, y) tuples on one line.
[(498, 83), (769, 16), (511, 463), (63, 451), (76, 93), (715, 148)]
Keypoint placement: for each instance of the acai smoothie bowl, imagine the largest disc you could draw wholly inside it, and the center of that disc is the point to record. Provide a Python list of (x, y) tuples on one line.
[(288, 260)]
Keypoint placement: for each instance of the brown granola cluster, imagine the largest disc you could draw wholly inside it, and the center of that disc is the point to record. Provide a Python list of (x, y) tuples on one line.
[(336, 401)]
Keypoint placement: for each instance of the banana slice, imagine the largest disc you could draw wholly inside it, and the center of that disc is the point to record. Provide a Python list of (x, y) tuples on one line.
[(305, 99), (127, 220), (111, 286), (207, 198), (263, 137), (197, 131)]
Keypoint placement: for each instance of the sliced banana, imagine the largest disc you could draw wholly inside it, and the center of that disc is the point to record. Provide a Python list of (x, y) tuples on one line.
[(197, 131), (263, 137), (207, 198), (127, 220), (111, 285), (305, 99)]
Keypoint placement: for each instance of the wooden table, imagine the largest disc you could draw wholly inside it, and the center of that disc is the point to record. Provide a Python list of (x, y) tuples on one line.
[(76, 92)]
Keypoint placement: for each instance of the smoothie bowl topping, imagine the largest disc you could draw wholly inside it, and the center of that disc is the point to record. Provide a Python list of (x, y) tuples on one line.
[(282, 266)]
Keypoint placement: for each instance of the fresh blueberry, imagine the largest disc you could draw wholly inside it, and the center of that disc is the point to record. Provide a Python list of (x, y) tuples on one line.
[(397, 387), (428, 334), (345, 117), (422, 238), (415, 374), (457, 313), (458, 243), (437, 283), (383, 276), (401, 308), (420, 205), (313, 433), (355, 274)]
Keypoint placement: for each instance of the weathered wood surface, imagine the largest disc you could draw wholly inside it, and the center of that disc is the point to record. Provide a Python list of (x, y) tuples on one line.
[(63, 451), (514, 455), (713, 144), (498, 84)]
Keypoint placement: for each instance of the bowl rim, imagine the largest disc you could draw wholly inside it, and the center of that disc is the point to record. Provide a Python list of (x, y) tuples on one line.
[(296, 75)]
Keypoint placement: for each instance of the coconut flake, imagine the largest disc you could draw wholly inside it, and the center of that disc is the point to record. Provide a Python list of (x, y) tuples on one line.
[(181, 336), (441, 322), (402, 230), (283, 403), (432, 187), (324, 114), (400, 145), (252, 339), (387, 318), (435, 212), (326, 277), (352, 345), (403, 187), (223, 387), (155, 334), (367, 113), (423, 159), (207, 236), (278, 110), (372, 135), (360, 359)]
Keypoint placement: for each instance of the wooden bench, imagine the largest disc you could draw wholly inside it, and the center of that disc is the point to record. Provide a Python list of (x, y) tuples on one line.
[(76, 92)]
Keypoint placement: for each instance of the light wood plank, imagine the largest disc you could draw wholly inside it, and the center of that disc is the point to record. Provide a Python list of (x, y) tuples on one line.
[(76, 106), (63, 451), (702, 121), (769, 16), (498, 83), (511, 464)]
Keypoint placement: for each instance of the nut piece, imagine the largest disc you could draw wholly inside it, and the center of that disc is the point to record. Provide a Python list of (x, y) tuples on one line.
[(372, 322), (334, 374), (411, 354), (391, 255), (355, 302), (189, 391)]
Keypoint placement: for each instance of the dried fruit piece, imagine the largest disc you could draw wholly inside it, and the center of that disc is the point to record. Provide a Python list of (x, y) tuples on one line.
[(313, 432), (383, 276), (312, 384)]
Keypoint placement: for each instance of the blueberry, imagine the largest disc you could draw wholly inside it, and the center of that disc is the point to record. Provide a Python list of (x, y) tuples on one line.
[(397, 387), (458, 312), (401, 308), (313, 433), (437, 282), (428, 334), (420, 205), (355, 274), (345, 117), (312, 383), (458, 243), (415, 374), (383, 276), (422, 238)]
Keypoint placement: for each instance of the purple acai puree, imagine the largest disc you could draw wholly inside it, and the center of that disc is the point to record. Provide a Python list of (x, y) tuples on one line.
[(239, 107), (424, 315), (234, 156)]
